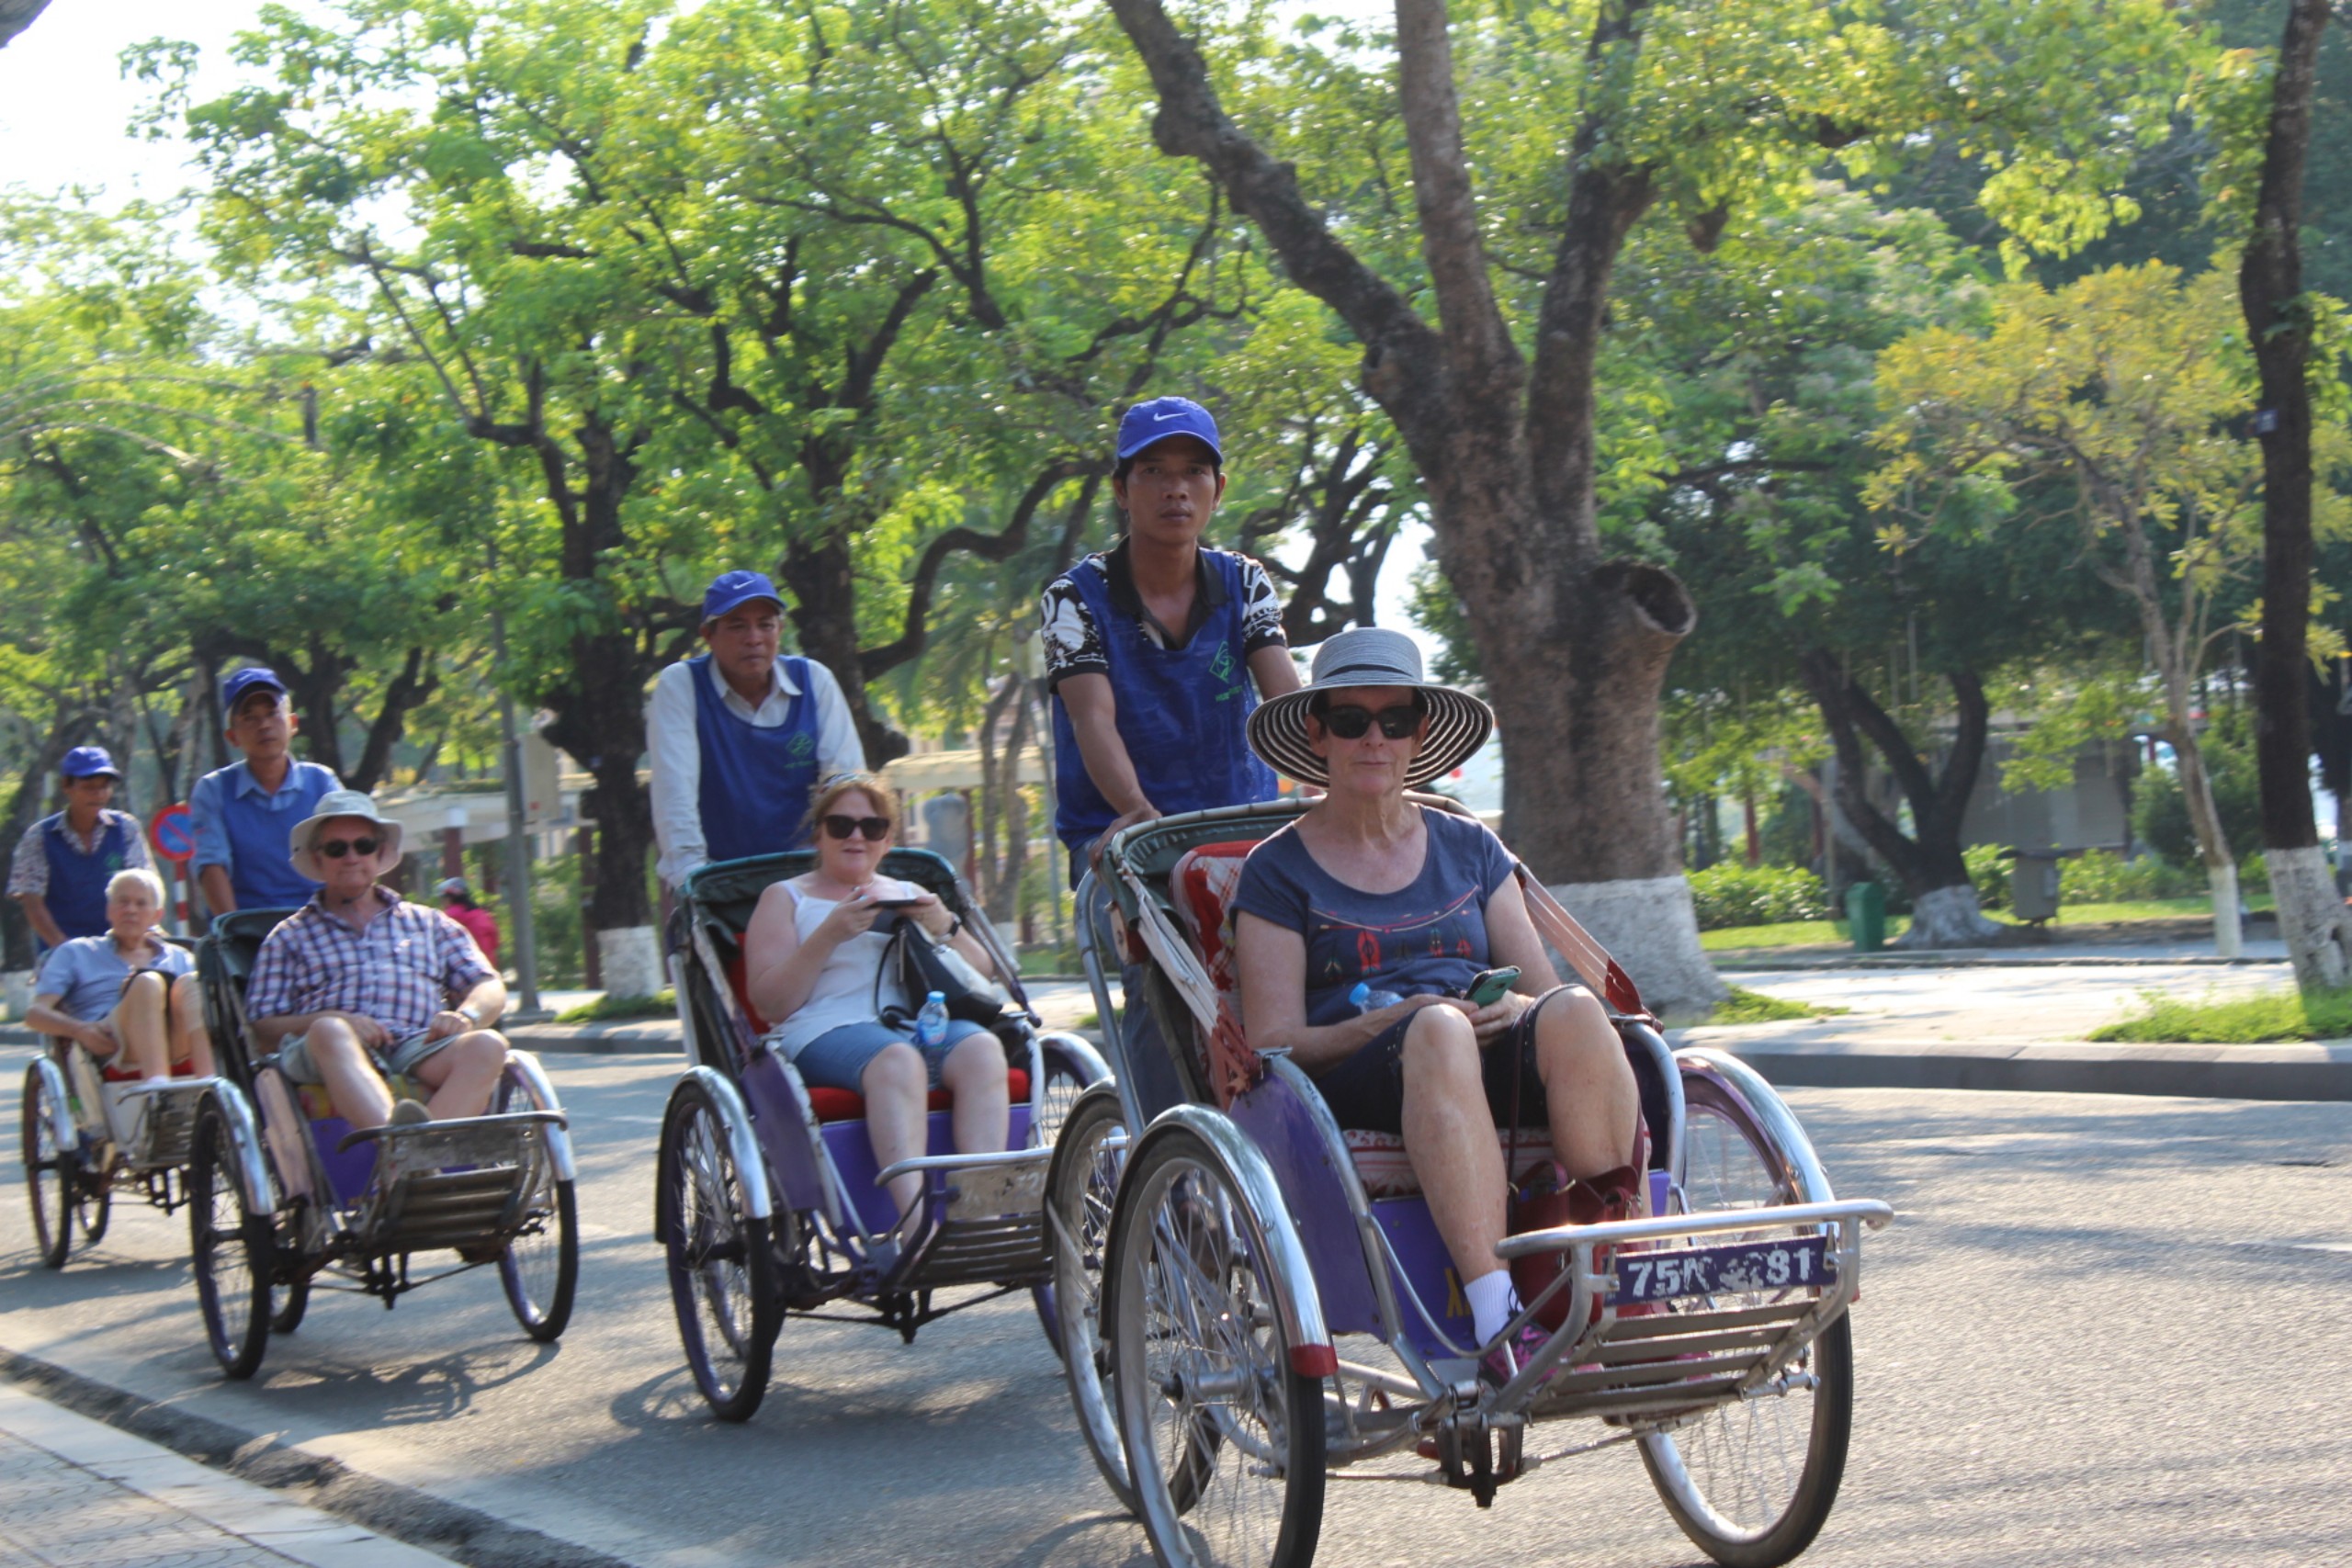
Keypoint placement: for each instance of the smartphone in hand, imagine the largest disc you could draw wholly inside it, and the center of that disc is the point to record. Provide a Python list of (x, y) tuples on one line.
[(1488, 986)]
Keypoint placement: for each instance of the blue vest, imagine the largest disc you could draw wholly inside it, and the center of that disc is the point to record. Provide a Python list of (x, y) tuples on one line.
[(756, 783), (78, 883), (1183, 713), (260, 870)]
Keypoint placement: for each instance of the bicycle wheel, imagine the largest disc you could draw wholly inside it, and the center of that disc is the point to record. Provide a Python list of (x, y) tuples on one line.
[(1225, 1439), (231, 1249), (93, 1205), (540, 1268), (1065, 1081), (722, 1273), (287, 1303), (1085, 1183), (52, 1171), (1751, 1483)]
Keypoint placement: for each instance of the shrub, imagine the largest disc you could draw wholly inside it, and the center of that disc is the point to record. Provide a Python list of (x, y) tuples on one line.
[(2102, 876), (2160, 813), (1990, 872), (1735, 895)]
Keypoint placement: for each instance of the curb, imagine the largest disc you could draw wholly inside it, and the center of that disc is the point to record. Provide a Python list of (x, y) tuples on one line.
[(2318, 1072), (401, 1513)]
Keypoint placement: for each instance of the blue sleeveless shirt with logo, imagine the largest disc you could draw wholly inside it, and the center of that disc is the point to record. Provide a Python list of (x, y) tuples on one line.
[(1183, 713), (756, 783), (78, 883)]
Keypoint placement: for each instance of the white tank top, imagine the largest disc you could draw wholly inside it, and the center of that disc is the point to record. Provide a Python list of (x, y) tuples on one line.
[(844, 989)]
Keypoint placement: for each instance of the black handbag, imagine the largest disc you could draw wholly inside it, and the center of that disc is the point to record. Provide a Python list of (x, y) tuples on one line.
[(921, 966)]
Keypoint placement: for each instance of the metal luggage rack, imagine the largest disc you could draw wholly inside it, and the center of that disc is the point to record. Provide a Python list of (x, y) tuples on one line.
[(988, 1226), (458, 1183)]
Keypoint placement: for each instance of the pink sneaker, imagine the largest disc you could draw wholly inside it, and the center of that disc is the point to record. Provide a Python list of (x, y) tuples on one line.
[(1508, 1360)]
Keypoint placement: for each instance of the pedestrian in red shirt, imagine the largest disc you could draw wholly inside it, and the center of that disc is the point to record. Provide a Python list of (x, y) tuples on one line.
[(480, 923)]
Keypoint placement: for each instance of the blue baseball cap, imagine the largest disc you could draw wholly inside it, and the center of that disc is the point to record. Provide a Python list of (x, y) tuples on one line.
[(1162, 418), (733, 589), (89, 763), (252, 678)]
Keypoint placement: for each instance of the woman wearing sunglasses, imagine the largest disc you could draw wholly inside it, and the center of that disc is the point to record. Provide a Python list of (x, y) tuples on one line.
[(1368, 889), (811, 958)]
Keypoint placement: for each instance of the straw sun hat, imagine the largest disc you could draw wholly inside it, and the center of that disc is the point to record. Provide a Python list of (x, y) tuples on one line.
[(1370, 656)]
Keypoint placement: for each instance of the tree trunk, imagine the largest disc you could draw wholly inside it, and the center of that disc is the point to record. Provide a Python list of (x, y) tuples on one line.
[(2212, 847), (822, 578), (2279, 324), (15, 16), (1945, 908)]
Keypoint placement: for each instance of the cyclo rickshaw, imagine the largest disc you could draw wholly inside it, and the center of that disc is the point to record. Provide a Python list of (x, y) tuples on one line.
[(769, 1203), (1247, 1263), (90, 1127), (284, 1195)]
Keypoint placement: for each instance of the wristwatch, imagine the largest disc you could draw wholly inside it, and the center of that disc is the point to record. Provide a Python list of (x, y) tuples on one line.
[(468, 1013)]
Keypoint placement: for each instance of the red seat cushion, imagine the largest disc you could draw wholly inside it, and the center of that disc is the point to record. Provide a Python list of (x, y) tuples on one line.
[(844, 1105), (735, 979), (113, 1074)]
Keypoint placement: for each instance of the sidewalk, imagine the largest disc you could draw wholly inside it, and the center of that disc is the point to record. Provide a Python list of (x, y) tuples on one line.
[(75, 1491)]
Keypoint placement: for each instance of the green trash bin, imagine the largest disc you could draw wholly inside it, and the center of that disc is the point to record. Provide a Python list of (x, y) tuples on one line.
[(1866, 914)]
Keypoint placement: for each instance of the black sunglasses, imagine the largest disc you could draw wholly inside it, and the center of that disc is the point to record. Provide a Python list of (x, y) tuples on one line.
[(875, 829), (335, 849), (1349, 722)]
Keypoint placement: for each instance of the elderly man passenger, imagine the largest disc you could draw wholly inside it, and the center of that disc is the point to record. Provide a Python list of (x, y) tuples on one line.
[(128, 996), (1369, 887), (358, 983)]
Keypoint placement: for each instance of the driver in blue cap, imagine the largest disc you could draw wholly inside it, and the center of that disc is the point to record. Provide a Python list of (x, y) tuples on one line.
[(63, 863), (244, 813), (1158, 650), (741, 734)]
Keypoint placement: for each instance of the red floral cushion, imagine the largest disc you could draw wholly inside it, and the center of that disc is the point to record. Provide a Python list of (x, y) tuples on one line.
[(1386, 1171)]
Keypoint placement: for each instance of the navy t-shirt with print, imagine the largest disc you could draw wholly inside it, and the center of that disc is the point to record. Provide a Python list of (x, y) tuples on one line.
[(1428, 938)]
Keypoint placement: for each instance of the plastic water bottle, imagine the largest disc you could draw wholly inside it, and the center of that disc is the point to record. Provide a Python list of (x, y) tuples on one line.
[(1366, 999), (930, 1024)]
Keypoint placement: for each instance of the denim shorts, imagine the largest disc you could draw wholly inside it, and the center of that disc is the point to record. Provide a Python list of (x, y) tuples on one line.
[(1366, 1089), (837, 1058), (400, 1060)]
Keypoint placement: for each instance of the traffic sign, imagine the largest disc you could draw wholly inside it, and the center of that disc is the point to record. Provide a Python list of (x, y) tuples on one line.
[(172, 833)]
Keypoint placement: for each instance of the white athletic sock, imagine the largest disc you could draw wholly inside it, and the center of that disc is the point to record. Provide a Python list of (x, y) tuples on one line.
[(1492, 1303)]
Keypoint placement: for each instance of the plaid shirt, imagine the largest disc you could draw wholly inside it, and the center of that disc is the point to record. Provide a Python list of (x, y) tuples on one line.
[(406, 966)]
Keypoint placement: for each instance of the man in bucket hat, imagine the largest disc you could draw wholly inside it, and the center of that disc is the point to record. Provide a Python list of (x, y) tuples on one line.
[(740, 735), (358, 983), (242, 812), (64, 862)]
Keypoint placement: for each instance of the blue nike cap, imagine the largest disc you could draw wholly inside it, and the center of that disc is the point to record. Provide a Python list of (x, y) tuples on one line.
[(89, 763), (252, 678), (1162, 418), (733, 590)]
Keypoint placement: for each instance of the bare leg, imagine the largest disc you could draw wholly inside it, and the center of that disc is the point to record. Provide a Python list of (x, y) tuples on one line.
[(974, 1073), (138, 1022), (897, 1087), (463, 1074), (1450, 1138), (354, 1087), (191, 1042), (1594, 1100)]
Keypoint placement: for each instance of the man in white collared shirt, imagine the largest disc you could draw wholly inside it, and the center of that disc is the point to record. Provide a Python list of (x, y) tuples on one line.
[(739, 735)]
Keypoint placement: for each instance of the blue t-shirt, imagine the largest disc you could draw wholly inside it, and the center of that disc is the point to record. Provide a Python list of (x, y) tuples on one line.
[(87, 973), (1428, 938)]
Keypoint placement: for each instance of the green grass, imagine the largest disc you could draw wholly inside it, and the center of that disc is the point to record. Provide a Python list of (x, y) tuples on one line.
[(1815, 933), (613, 1009), (1754, 1007), (2273, 1016)]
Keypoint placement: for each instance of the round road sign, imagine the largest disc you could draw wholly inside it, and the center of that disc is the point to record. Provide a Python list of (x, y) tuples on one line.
[(172, 833)]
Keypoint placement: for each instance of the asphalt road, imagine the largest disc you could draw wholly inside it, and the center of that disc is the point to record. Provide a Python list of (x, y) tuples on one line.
[(2104, 1330)]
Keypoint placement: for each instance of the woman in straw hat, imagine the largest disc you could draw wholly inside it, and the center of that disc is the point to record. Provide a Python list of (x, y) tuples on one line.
[(1369, 892)]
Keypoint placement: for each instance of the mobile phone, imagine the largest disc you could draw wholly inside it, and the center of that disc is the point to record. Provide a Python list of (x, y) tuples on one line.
[(893, 902), (1488, 986)]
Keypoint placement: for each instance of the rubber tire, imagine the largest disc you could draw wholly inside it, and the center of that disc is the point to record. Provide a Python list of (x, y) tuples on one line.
[(237, 1346), (1164, 1501), (1816, 1493), (1063, 1087), (286, 1311), (545, 1321), (1091, 1390), (93, 1207), (736, 1401), (50, 1181)]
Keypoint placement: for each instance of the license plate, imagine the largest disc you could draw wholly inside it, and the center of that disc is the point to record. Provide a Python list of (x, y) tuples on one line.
[(1737, 1269)]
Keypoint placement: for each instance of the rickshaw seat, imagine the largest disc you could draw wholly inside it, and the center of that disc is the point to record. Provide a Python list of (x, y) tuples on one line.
[(846, 1105), (312, 1097), (111, 1074)]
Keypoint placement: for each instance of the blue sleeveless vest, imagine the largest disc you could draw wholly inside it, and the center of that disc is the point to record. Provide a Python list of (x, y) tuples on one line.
[(260, 869), (755, 781), (1183, 713), (78, 883)]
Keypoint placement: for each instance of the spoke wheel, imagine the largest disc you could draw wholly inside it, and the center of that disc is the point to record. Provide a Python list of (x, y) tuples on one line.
[(1751, 1483), (722, 1272), (540, 1268), (1063, 1084), (1087, 1162), (1225, 1441), (231, 1249), (52, 1172), (93, 1206)]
